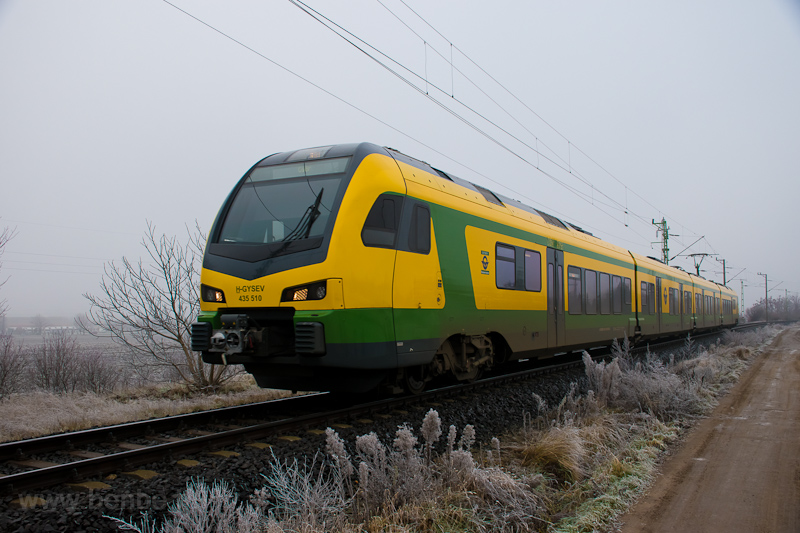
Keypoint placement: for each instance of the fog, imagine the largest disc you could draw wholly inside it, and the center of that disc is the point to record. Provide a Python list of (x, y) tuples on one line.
[(609, 115)]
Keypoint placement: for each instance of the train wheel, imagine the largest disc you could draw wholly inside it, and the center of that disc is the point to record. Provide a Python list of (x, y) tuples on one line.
[(414, 379)]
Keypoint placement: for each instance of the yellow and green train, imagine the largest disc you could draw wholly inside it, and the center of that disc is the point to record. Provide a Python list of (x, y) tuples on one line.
[(351, 266)]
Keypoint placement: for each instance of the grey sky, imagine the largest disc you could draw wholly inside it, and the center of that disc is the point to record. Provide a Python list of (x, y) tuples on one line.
[(114, 113)]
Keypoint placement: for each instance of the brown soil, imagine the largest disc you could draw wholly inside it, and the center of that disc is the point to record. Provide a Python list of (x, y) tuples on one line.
[(739, 469)]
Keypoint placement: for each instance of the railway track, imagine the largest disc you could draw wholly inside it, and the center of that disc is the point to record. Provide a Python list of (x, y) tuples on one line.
[(126, 446), (97, 452)]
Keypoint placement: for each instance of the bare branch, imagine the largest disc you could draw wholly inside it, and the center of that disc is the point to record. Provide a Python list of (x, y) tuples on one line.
[(6, 235), (148, 306)]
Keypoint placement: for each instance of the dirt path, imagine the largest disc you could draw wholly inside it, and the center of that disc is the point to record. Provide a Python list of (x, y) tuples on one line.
[(739, 470)]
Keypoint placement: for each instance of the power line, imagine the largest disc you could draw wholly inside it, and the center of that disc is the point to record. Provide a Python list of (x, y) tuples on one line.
[(520, 101), (500, 106), (55, 271), (360, 110), (580, 194), (316, 15)]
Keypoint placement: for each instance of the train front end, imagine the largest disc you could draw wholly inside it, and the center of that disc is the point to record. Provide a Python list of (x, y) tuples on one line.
[(287, 288)]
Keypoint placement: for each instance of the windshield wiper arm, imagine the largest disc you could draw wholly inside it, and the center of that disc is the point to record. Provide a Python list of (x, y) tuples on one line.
[(303, 228)]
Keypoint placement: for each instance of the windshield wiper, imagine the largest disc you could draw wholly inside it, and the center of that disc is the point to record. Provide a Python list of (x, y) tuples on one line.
[(303, 228)]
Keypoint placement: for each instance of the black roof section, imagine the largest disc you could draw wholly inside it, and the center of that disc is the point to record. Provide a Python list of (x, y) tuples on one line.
[(363, 149)]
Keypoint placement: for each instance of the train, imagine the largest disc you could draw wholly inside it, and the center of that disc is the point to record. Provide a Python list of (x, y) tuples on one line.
[(355, 267)]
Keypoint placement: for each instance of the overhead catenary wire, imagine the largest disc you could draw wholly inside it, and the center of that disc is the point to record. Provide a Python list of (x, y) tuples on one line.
[(316, 15), (580, 194), (487, 95), (363, 111), (526, 106)]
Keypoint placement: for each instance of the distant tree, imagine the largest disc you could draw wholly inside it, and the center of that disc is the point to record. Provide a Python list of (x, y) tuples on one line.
[(148, 307), (6, 235), (781, 308), (39, 324)]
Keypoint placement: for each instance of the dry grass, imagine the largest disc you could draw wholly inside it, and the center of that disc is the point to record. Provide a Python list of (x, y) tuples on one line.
[(559, 452), (33, 414)]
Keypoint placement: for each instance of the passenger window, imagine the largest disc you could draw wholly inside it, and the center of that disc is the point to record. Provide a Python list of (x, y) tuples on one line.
[(574, 290), (505, 267), (383, 221), (627, 289), (651, 298), (533, 271), (644, 297), (591, 291), (605, 294), (617, 292), (419, 237)]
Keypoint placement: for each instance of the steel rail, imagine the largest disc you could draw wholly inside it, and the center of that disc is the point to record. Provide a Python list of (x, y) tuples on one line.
[(67, 441)]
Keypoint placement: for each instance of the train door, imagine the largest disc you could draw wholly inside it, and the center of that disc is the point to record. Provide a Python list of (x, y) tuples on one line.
[(659, 305), (705, 309), (417, 286), (556, 331), (681, 307)]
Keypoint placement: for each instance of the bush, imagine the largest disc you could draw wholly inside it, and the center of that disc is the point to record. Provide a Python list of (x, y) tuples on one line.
[(12, 366), (202, 509), (54, 364), (60, 365), (648, 385), (407, 485)]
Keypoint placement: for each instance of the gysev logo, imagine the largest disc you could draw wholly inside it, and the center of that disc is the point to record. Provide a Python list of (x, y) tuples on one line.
[(484, 262)]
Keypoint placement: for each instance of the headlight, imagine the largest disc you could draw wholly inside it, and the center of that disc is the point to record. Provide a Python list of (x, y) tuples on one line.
[(210, 294), (302, 293)]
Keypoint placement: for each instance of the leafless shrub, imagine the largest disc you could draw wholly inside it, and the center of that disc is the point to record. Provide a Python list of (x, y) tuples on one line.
[(12, 366), (202, 508), (148, 307), (97, 373), (61, 365), (54, 364), (304, 495)]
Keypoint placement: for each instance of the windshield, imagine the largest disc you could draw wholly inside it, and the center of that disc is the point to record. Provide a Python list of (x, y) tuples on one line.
[(272, 207)]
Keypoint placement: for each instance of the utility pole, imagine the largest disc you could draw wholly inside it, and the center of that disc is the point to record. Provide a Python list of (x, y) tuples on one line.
[(741, 304), (724, 272), (766, 297), (664, 230)]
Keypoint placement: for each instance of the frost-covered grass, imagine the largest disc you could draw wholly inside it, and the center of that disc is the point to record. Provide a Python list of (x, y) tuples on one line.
[(572, 467), (33, 414), (411, 485)]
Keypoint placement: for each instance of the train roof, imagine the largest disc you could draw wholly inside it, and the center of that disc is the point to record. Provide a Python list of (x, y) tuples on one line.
[(361, 150)]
